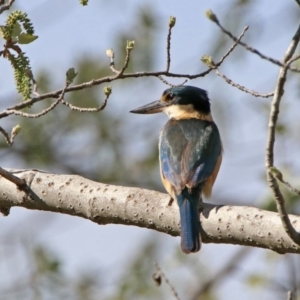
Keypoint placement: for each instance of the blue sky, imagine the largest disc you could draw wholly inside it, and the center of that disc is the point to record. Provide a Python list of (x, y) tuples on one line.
[(67, 30)]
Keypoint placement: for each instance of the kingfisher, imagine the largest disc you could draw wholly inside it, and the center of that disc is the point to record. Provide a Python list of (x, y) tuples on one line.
[(190, 154)]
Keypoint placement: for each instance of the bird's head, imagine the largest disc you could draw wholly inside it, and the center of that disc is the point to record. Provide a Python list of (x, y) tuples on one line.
[(180, 102)]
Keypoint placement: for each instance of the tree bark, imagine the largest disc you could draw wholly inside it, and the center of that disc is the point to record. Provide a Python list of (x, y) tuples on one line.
[(107, 204)]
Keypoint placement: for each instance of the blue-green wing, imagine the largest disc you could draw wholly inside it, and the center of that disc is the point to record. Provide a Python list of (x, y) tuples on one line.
[(189, 150)]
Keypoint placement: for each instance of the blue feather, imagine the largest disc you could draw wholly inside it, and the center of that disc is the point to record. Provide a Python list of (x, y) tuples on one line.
[(189, 221), (189, 150)]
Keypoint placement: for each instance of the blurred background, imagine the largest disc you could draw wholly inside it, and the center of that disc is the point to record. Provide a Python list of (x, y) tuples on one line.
[(52, 256)]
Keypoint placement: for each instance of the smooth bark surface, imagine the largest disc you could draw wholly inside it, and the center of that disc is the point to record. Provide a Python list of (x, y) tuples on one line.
[(106, 204)]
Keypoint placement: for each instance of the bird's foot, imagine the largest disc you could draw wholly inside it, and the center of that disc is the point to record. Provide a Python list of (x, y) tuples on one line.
[(170, 201)]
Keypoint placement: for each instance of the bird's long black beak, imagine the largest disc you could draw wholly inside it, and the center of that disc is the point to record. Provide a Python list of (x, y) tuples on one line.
[(150, 108)]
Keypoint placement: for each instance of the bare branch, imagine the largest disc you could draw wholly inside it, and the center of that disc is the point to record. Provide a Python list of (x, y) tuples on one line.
[(170, 84), (14, 179), (6, 135), (107, 204), (82, 109), (6, 6), (127, 59), (278, 175), (251, 49), (242, 88), (208, 60), (172, 22), (290, 294), (110, 53), (165, 81), (293, 59), (160, 274), (118, 76), (274, 112), (95, 82), (43, 112), (236, 42), (14, 132), (35, 87)]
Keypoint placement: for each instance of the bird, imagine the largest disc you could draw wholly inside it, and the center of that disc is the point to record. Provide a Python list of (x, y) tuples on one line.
[(190, 154)]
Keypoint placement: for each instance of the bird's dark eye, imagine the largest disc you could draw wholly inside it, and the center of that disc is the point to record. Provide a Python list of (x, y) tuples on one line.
[(169, 97)]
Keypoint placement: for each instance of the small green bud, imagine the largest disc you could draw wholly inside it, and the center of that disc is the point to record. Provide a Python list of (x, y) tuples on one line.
[(130, 45), (84, 2), (16, 130), (210, 15), (70, 75), (208, 60), (172, 21), (275, 172), (107, 90)]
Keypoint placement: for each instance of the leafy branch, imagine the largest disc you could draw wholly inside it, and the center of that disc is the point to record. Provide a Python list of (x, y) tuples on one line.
[(18, 30)]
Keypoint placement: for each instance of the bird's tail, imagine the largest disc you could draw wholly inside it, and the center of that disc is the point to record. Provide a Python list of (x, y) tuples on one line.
[(190, 223)]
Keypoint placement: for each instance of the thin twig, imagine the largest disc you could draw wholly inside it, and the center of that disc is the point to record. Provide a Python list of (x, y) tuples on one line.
[(278, 175), (14, 132), (6, 136), (35, 87), (242, 88), (111, 54), (294, 58), (95, 82), (292, 189), (14, 179), (289, 294), (170, 84), (165, 81), (43, 112), (160, 273), (274, 112), (6, 6), (251, 49), (210, 63), (168, 48), (236, 42), (127, 59), (99, 81), (82, 109), (298, 1)]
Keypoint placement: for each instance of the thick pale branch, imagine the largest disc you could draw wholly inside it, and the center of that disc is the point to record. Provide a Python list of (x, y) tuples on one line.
[(106, 204)]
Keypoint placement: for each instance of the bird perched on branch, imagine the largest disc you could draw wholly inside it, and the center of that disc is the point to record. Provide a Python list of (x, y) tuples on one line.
[(190, 154)]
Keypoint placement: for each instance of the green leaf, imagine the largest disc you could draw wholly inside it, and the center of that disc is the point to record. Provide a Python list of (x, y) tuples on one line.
[(210, 15), (25, 38), (70, 75), (16, 30), (130, 45), (172, 21), (208, 60), (16, 130), (107, 90)]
